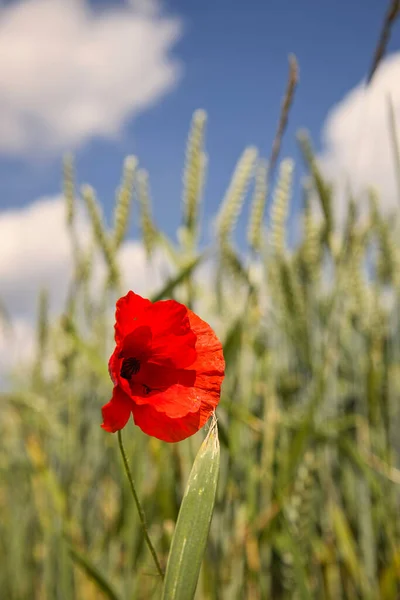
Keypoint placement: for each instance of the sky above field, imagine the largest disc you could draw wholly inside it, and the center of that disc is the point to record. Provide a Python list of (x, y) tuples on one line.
[(105, 79)]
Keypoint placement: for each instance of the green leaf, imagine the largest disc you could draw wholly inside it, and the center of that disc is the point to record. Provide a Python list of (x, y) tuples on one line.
[(172, 283), (346, 543), (191, 531)]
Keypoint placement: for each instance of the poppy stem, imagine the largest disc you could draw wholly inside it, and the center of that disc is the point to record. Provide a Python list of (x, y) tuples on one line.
[(139, 506)]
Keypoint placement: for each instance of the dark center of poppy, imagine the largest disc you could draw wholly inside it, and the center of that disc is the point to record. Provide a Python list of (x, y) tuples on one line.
[(130, 366)]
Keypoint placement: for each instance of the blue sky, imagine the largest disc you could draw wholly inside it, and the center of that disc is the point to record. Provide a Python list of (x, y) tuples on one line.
[(108, 79), (233, 56)]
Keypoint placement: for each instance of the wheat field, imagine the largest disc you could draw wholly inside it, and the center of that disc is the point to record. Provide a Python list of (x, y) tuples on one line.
[(307, 502)]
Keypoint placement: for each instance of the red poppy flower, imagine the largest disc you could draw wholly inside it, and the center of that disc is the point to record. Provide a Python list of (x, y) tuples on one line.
[(167, 369)]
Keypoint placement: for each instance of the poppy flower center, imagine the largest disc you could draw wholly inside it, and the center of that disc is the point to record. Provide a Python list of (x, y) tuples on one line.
[(130, 366)]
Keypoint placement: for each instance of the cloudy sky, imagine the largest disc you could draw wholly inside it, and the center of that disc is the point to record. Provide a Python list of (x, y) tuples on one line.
[(107, 78)]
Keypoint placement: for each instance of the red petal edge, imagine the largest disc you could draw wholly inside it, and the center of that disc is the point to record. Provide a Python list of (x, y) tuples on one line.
[(164, 428), (117, 412), (210, 357), (128, 308), (173, 341)]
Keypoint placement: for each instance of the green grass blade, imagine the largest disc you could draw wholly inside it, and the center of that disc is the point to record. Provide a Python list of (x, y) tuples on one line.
[(299, 571), (191, 532), (173, 282)]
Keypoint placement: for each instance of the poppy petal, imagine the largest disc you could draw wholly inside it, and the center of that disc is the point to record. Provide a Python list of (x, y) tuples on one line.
[(164, 428), (128, 310), (173, 341), (137, 343), (158, 378), (178, 400), (117, 412), (168, 317), (113, 366), (210, 357), (167, 369), (174, 351)]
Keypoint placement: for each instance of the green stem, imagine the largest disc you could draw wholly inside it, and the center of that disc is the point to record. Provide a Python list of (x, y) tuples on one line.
[(139, 507)]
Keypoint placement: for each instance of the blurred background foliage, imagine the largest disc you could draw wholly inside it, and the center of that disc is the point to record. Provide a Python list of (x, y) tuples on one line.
[(308, 496)]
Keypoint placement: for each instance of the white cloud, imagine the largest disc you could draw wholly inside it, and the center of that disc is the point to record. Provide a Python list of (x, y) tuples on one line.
[(68, 73), (17, 346), (357, 148), (36, 253)]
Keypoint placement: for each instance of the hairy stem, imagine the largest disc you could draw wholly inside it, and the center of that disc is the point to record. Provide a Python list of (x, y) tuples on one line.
[(139, 506)]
